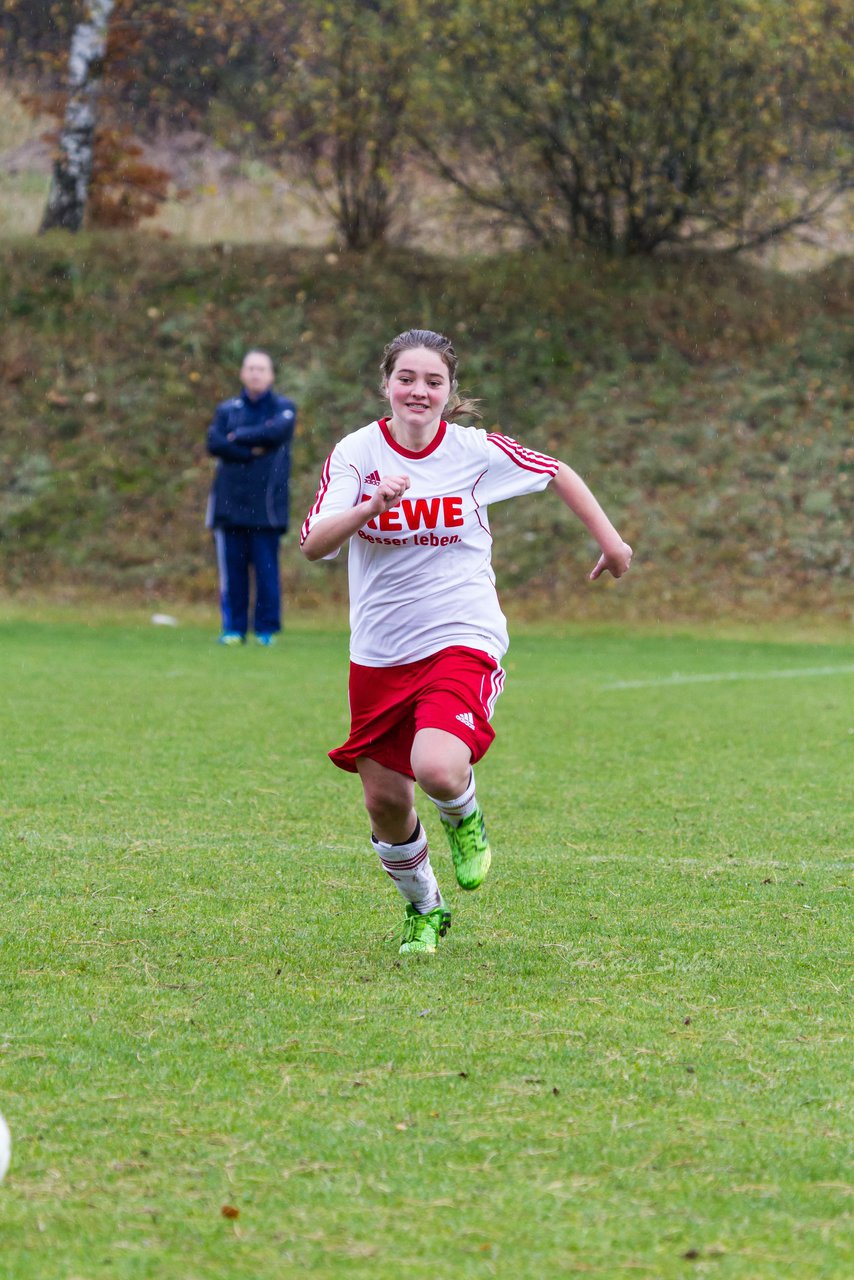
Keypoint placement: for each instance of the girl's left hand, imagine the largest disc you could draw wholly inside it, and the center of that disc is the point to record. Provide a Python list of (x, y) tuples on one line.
[(616, 562)]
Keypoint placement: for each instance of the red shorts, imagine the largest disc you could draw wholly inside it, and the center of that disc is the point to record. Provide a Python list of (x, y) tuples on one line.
[(455, 689)]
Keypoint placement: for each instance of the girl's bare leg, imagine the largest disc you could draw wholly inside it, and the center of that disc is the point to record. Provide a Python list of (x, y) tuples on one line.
[(399, 838)]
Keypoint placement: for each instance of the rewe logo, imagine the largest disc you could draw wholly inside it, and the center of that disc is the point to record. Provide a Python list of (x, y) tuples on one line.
[(373, 478), (466, 718), (418, 513)]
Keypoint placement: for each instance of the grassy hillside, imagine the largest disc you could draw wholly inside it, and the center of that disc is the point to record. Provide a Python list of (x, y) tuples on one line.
[(709, 404)]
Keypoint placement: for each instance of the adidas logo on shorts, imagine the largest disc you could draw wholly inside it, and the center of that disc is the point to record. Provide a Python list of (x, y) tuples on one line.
[(373, 478), (466, 718)]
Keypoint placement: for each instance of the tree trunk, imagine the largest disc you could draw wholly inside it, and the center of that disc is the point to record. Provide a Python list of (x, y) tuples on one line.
[(66, 201)]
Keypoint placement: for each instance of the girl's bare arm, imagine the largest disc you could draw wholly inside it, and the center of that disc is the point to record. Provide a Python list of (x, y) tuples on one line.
[(328, 536), (571, 489)]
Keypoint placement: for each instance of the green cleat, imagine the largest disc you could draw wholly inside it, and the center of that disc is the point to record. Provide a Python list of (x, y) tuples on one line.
[(469, 849), (422, 933)]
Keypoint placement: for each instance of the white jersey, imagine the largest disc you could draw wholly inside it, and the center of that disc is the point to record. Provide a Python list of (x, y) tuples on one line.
[(421, 573)]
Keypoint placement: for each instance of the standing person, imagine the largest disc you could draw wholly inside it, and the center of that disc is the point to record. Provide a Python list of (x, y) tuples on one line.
[(410, 491), (250, 437)]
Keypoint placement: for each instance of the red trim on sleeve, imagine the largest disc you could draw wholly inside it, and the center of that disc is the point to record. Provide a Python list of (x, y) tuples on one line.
[(318, 499), (527, 459)]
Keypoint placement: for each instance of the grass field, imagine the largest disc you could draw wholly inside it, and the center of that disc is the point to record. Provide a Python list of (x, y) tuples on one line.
[(631, 1057)]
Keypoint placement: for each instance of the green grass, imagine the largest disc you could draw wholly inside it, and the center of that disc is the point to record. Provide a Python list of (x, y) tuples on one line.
[(631, 1057)]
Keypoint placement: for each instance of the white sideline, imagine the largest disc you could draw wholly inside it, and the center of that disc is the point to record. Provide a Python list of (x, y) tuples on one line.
[(714, 677)]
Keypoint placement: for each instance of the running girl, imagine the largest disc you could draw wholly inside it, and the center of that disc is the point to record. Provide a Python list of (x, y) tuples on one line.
[(411, 491)]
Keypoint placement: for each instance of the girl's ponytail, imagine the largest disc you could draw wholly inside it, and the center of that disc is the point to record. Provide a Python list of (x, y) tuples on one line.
[(457, 407)]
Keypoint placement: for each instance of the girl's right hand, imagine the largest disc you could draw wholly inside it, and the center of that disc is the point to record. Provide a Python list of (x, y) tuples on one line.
[(389, 492)]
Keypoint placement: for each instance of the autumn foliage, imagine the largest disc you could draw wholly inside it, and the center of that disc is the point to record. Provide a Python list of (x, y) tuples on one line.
[(124, 188), (625, 125)]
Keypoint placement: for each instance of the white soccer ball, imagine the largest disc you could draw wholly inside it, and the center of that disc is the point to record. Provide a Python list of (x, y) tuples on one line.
[(5, 1148)]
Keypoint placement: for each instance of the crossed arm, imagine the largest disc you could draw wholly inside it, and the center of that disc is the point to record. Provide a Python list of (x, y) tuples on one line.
[(222, 444), (239, 444), (274, 431)]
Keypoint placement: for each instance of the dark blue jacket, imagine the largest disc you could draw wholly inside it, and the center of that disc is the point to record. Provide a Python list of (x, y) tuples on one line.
[(250, 488)]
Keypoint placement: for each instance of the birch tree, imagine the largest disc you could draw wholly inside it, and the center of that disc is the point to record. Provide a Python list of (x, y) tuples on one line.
[(72, 170)]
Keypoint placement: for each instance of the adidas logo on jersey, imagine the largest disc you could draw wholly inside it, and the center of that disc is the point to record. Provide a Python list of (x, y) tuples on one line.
[(466, 718), (373, 478)]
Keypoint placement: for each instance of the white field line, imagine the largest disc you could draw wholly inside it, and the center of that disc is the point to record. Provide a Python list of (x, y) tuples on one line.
[(716, 677)]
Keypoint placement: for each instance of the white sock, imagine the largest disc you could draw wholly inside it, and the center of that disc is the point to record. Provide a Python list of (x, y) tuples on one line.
[(408, 865), (454, 811)]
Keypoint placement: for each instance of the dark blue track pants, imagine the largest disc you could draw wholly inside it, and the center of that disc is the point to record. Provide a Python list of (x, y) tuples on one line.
[(236, 551)]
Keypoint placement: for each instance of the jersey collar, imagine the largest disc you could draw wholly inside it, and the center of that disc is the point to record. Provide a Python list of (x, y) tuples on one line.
[(382, 423)]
